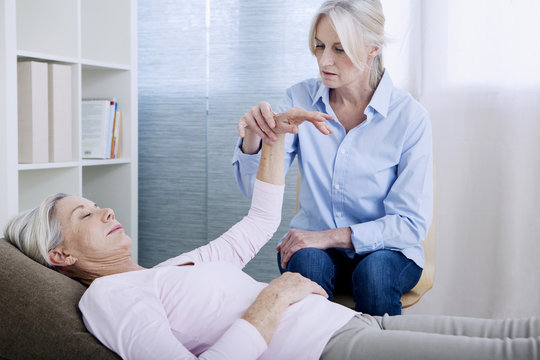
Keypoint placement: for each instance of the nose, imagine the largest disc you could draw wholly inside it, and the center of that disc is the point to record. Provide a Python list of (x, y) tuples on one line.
[(327, 57), (108, 215)]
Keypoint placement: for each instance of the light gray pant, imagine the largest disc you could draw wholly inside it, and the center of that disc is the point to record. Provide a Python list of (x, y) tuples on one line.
[(418, 337)]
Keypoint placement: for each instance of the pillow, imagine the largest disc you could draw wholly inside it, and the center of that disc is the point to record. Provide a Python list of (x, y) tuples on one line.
[(39, 312)]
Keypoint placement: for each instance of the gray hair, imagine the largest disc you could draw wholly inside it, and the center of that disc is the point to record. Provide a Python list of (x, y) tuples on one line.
[(37, 231), (358, 23)]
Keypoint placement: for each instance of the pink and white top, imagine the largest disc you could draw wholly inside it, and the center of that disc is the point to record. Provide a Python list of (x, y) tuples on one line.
[(190, 312)]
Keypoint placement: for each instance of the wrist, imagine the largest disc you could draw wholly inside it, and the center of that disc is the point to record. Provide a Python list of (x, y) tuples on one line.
[(341, 238), (251, 144)]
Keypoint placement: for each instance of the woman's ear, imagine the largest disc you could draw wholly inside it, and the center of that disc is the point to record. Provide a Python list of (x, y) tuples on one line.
[(373, 51), (60, 258)]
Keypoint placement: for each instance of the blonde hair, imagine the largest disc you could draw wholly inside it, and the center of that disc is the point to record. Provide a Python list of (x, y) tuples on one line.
[(37, 231), (358, 23)]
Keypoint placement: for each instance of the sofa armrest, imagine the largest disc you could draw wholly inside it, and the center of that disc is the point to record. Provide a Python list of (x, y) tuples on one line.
[(39, 312)]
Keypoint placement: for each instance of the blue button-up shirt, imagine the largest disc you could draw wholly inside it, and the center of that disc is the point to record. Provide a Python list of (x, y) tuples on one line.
[(376, 179)]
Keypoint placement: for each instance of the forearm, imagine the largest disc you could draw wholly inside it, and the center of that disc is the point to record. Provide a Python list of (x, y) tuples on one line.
[(265, 312), (271, 167), (340, 238), (251, 143), (394, 232)]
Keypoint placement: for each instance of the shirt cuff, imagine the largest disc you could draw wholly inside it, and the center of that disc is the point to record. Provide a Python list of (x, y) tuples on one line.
[(241, 341), (249, 163), (367, 237)]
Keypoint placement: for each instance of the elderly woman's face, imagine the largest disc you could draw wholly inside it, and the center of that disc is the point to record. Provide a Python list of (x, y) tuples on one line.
[(335, 66), (91, 234)]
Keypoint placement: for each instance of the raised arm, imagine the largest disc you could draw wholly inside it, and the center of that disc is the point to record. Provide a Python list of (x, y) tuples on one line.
[(257, 126), (271, 167), (243, 240)]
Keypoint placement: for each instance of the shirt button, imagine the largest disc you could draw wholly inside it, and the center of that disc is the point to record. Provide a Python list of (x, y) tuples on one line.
[(338, 213), (336, 186), (342, 151)]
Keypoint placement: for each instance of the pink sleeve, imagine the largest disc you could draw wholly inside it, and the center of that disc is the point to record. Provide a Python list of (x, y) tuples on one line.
[(137, 327), (241, 341), (242, 241)]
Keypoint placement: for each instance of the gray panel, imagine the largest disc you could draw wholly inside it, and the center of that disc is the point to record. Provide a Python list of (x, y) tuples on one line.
[(257, 50), (172, 126)]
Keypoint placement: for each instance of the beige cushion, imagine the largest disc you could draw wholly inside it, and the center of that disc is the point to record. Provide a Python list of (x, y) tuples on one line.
[(39, 317)]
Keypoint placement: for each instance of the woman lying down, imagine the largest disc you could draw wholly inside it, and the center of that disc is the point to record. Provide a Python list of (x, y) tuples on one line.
[(201, 305)]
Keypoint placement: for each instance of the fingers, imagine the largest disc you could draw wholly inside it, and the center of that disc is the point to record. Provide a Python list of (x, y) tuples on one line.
[(289, 120), (268, 114), (259, 120), (264, 119), (292, 242), (319, 290), (241, 128), (298, 286), (323, 127), (282, 253)]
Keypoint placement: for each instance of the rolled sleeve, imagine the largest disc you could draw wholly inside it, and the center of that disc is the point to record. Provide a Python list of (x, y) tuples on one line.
[(245, 169), (241, 341)]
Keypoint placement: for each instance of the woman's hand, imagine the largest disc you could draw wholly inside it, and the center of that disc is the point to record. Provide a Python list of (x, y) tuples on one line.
[(265, 312), (297, 239), (293, 287), (260, 123), (288, 121), (257, 124)]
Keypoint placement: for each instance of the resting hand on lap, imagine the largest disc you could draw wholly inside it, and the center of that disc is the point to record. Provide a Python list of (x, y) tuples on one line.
[(297, 239), (266, 310)]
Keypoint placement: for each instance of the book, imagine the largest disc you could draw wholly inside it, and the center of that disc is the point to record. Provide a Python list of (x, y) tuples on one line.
[(96, 119), (110, 131), (115, 146), (60, 113), (33, 113)]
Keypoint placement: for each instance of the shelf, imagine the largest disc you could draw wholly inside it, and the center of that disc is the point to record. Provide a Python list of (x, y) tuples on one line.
[(102, 65), (97, 39), (51, 58), (48, 165), (91, 162)]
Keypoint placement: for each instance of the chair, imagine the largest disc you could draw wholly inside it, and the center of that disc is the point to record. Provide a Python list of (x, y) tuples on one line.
[(428, 274)]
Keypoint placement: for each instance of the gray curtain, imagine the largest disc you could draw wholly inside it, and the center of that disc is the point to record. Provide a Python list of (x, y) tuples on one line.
[(201, 67)]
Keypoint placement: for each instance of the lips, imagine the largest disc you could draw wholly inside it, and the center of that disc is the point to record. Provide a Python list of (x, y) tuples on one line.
[(116, 228)]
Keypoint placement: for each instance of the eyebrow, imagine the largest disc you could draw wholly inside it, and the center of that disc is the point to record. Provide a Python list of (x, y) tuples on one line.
[(80, 207), (336, 43), (76, 208)]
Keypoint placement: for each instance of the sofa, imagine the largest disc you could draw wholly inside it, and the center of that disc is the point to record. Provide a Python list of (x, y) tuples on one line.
[(39, 315)]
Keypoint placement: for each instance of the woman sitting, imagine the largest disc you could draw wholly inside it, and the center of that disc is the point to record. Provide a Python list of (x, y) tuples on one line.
[(201, 305)]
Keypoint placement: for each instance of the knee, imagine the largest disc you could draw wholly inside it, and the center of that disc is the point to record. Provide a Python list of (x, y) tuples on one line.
[(309, 260), (375, 270), (315, 265), (375, 286), (370, 280)]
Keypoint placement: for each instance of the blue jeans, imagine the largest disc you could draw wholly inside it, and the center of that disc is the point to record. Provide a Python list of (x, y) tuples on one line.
[(377, 280)]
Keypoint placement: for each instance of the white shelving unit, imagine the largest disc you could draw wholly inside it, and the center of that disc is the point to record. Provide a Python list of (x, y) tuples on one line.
[(98, 39)]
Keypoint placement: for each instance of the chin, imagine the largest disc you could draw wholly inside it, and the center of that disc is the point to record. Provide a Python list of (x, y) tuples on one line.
[(125, 240), (329, 83)]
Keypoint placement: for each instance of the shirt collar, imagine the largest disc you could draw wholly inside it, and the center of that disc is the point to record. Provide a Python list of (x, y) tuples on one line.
[(322, 93), (380, 101)]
